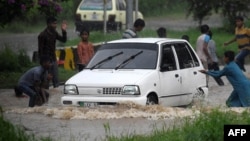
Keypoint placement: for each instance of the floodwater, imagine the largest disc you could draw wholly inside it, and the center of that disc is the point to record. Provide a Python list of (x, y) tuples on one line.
[(54, 109), (80, 123), (95, 124), (125, 110), (87, 124)]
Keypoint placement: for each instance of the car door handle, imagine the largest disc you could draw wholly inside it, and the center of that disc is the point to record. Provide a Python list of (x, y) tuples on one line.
[(176, 75), (195, 72)]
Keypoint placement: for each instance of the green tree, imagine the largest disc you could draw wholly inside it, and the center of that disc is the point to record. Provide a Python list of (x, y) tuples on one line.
[(11, 9), (200, 9), (232, 8), (228, 8)]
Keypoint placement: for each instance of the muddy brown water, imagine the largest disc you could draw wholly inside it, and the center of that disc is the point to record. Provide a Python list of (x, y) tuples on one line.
[(89, 124)]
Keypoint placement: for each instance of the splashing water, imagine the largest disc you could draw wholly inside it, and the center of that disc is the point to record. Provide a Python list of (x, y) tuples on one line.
[(123, 110)]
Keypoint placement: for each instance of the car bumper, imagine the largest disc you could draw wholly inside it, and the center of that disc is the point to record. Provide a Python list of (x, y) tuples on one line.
[(77, 100)]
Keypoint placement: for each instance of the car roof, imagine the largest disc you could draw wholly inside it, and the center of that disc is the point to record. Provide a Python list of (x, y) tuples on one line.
[(147, 40)]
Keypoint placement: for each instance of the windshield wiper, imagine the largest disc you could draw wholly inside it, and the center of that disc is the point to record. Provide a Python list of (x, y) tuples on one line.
[(106, 59), (127, 60)]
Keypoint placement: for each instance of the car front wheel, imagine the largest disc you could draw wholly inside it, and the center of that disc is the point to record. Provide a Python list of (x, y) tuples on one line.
[(152, 100)]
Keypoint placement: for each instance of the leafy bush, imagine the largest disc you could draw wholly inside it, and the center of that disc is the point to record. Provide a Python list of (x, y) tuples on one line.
[(11, 61), (23, 59)]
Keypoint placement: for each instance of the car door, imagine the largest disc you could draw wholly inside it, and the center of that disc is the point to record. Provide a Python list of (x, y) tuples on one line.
[(188, 70), (169, 76)]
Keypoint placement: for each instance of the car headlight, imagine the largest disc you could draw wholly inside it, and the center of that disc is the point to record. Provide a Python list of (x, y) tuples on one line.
[(131, 90), (70, 89)]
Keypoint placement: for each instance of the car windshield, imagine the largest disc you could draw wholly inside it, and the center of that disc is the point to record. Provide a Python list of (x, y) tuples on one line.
[(125, 56), (95, 5)]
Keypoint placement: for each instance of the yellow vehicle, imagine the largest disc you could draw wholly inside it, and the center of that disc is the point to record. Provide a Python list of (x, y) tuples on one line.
[(92, 14)]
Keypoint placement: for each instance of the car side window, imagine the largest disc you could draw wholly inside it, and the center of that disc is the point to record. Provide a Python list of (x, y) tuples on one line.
[(194, 57), (168, 62), (184, 56)]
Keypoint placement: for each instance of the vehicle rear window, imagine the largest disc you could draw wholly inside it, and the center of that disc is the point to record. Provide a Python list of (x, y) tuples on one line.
[(95, 5)]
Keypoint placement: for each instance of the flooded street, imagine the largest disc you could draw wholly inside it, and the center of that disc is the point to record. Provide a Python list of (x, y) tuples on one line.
[(80, 124), (90, 124), (84, 130), (94, 124)]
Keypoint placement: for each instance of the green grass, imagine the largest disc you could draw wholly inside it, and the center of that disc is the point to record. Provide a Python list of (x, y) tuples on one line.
[(65, 74), (208, 126), (218, 35)]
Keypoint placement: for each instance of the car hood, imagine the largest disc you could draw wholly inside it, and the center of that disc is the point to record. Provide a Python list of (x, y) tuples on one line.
[(107, 77)]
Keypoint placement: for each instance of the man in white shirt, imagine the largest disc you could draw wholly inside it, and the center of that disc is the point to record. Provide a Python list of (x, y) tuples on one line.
[(139, 24), (201, 46)]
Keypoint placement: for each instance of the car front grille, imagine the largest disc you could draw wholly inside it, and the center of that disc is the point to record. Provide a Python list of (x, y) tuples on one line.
[(112, 91)]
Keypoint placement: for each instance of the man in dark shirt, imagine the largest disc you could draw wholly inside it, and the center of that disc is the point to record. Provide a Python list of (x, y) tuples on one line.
[(47, 45), (162, 32)]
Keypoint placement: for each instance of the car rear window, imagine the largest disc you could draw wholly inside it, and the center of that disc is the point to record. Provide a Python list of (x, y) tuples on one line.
[(95, 5)]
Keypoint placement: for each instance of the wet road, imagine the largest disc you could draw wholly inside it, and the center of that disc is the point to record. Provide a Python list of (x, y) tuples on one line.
[(85, 124)]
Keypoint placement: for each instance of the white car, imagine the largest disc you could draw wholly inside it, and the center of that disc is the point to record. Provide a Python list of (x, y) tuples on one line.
[(141, 70)]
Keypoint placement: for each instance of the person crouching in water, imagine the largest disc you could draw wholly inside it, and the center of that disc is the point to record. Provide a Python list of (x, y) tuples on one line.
[(32, 82)]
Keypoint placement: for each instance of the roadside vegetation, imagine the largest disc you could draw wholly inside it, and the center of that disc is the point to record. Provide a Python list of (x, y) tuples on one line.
[(10, 132), (205, 127)]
